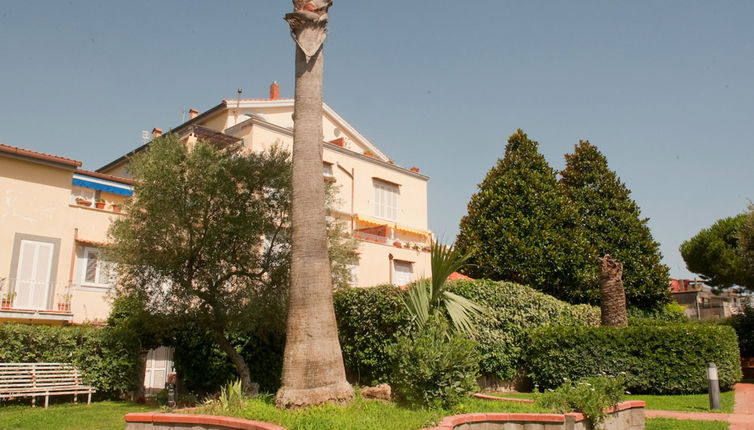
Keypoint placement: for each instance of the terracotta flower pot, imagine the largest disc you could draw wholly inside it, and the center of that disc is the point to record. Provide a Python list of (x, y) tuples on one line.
[(116, 208), (100, 205), (82, 202)]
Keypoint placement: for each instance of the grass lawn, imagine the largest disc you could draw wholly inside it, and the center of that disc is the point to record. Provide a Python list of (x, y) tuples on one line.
[(671, 424), (98, 415), (684, 403), (367, 414)]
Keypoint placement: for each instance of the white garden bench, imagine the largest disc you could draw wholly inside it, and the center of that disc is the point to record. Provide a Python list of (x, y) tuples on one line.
[(42, 380)]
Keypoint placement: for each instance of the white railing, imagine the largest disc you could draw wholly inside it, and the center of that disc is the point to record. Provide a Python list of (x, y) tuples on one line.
[(30, 295)]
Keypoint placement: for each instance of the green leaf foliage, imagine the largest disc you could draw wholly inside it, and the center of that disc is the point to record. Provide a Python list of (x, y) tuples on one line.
[(107, 357), (429, 298), (370, 319), (743, 324), (614, 226), (667, 359), (590, 396), (713, 253), (513, 311), (433, 366), (521, 227)]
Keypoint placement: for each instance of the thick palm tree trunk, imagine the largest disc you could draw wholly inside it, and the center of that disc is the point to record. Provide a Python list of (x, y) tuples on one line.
[(313, 371), (612, 294)]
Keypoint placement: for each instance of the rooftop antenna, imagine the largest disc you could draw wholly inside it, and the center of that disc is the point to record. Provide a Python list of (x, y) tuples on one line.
[(238, 102)]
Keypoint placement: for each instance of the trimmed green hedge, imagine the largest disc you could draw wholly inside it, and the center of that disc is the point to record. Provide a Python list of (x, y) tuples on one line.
[(513, 311), (666, 359), (107, 357), (369, 319)]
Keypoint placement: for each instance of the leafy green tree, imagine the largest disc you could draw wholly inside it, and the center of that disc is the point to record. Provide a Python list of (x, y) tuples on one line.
[(520, 227), (714, 254), (206, 238), (614, 225)]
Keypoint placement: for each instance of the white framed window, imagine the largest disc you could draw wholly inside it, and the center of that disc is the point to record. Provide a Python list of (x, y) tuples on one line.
[(95, 271), (87, 194), (403, 272), (386, 200)]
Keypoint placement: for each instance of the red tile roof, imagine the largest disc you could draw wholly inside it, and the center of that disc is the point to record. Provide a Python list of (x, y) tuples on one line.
[(39, 155), (455, 276)]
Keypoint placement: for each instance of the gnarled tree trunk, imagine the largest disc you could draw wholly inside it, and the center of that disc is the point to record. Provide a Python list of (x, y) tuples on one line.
[(250, 389), (612, 294), (313, 371)]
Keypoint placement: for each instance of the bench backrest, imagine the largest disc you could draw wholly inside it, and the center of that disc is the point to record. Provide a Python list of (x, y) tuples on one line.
[(14, 376)]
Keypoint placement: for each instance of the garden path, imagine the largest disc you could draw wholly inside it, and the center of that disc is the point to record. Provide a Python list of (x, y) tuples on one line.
[(742, 417)]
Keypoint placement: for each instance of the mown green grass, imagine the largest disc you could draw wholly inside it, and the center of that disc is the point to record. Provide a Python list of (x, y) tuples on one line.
[(686, 402), (671, 424), (98, 416), (367, 414), (683, 403)]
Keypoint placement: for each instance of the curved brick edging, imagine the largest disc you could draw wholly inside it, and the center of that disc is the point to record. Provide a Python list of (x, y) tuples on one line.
[(501, 399), (158, 420), (618, 418)]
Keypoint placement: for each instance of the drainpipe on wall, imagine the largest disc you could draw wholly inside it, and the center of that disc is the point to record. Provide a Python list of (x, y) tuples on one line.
[(73, 257), (353, 186)]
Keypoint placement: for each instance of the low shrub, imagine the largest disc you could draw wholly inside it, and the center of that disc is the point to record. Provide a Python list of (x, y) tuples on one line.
[(589, 396), (106, 357), (433, 368), (656, 359)]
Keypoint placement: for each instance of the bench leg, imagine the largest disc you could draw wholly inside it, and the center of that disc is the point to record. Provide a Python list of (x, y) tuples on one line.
[(47, 401), (33, 402), (89, 399), (75, 398)]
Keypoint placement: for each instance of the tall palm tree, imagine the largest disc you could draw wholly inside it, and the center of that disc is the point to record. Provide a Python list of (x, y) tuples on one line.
[(313, 371)]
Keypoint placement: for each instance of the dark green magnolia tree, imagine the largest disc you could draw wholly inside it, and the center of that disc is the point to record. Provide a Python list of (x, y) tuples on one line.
[(614, 225), (206, 242), (520, 227), (746, 243), (714, 253)]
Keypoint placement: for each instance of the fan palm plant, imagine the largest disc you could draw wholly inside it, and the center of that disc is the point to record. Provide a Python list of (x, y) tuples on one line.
[(430, 297)]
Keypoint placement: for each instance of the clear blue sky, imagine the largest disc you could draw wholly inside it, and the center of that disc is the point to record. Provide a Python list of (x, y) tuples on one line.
[(664, 89)]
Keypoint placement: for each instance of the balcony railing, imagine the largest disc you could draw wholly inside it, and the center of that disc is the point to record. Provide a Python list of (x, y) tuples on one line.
[(30, 296)]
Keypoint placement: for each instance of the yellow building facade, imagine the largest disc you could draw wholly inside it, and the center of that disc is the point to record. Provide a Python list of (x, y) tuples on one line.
[(53, 220), (54, 216)]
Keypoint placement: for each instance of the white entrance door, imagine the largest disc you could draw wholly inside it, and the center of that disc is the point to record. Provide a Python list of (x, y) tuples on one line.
[(403, 271), (33, 275), (159, 367)]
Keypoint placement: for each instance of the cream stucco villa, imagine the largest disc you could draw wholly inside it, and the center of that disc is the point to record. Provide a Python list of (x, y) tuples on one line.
[(54, 216)]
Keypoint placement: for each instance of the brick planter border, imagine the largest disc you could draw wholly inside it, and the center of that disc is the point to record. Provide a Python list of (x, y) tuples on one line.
[(547, 421), (158, 420)]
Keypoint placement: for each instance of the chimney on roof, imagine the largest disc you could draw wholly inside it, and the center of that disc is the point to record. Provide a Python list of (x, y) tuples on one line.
[(414, 169), (156, 132), (193, 113), (274, 91)]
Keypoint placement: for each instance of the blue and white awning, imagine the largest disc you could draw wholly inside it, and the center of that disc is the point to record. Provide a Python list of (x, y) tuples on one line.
[(85, 181)]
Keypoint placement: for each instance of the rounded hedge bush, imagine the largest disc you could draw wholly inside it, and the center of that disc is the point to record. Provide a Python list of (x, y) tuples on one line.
[(668, 359), (370, 319)]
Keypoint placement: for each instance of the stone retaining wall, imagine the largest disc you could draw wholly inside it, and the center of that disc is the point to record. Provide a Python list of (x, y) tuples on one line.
[(160, 421), (624, 416)]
